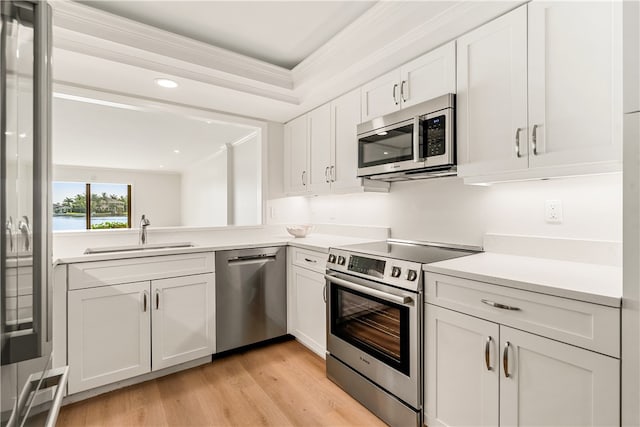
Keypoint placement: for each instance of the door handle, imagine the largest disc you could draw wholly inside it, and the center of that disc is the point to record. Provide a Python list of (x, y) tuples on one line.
[(326, 174), (505, 359), (304, 174), (144, 301), (518, 155), (332, 173), (487, 353), (157, 299), (324, 292), (534, 140), (404, 82), (395, 98), (500, 306)]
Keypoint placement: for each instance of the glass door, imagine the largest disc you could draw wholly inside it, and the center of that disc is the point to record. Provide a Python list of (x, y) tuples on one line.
[(378, 327), (384, 146)]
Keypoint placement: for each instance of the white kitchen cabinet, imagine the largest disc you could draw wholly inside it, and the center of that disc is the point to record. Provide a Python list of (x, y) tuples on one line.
[(481, 371), (551, 73), (331, 165), (320, 147), (108, 334), (426, 77), (491, 101), (183, 319), (117, 331), (296, 156), (461, 369), (552, 383), (575, 82), (306, 298)]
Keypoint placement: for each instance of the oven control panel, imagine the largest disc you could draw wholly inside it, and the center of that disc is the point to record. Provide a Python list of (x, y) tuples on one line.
[(404, 274)]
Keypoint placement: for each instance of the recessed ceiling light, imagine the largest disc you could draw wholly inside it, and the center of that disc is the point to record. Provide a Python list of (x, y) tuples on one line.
[(170, 84), (176, 151), (385, 153), (23, 135), (161, 166), (383, 133)]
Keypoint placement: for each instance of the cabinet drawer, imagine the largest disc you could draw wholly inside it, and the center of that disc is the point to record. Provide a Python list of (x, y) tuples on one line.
[(101, 273), (316, 261), (591, 326)]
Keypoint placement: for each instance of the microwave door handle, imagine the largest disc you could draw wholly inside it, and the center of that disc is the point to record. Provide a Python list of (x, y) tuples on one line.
[(416, 140)]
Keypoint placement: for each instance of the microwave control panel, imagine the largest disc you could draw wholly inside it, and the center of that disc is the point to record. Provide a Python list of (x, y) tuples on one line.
[(434, 136)]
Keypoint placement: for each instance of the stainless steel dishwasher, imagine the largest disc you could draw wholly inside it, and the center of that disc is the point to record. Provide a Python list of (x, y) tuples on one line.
[(251, 296)]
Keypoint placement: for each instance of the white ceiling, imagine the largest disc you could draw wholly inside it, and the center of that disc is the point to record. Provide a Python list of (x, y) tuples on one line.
[(90, 135), (282, 33)]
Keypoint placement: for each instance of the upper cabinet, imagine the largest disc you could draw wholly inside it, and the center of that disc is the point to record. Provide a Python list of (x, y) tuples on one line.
[(296, 156), (321, 150), (540, 92), (426, 77)]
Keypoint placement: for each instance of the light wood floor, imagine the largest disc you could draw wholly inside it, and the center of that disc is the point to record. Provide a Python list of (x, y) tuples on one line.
[(283, 384)]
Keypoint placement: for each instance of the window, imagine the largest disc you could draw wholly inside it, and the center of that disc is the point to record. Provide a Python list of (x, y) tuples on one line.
[(84, 206)]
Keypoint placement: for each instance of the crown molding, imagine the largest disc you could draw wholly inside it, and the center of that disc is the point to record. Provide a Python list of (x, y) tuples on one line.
[(86, 20)]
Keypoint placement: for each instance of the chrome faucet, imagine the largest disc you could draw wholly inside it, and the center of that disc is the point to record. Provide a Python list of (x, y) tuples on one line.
[(144, 223)]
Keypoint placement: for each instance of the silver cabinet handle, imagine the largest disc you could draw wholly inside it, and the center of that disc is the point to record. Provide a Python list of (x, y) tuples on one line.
[(332, 174), (534, 140), (395, 98), (311, 260), (404, 82), (304, 181), (487, 353), (326, 174), (157, 299), (23, 226), (518, 155), (505, 359), (324, 292), (9, 228), (144, 301), (498, 305)]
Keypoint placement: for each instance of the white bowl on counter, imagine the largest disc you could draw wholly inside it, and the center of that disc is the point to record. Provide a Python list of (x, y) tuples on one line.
[(299, 230)]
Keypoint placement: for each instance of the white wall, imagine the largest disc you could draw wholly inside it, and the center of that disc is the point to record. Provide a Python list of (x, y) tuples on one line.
[(204, 192), (446, 210), (247, 182), (154, 194)]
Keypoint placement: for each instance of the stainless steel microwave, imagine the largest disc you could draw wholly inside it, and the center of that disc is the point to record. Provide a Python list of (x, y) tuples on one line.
[(416, 142)]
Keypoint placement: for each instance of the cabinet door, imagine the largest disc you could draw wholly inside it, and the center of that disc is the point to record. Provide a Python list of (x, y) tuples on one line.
[(575, 82), (296, 155), (319, 121), (309, 313), (492, 96), (555, 384), (109, 334), (381, 96), (429, 76), (345, 116), (461, 369), (183, 319)]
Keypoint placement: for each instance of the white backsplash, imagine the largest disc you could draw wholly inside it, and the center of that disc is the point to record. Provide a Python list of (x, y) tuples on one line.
[(446, 210)]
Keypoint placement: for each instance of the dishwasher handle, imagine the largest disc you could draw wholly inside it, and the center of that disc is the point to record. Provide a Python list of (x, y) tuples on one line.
[(251, 259)]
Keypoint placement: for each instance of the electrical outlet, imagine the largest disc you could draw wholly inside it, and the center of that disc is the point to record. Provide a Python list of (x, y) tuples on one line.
[(553, 211)]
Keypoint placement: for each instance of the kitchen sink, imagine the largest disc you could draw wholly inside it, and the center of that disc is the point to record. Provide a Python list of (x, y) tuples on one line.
[(131, 248)]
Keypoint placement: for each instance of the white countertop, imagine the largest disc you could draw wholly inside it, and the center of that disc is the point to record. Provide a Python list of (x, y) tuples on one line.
[(599, 284), (315, 242)]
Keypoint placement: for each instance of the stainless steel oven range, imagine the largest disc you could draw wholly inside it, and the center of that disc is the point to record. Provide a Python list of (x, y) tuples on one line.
[(374, 324)]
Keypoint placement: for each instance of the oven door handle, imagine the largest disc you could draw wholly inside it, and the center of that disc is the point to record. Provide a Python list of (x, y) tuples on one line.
[(373, 292)]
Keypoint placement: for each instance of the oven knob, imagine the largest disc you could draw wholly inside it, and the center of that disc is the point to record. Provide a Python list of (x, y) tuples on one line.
[(395, 272), (412, 275), (332, 258), (341, 260)]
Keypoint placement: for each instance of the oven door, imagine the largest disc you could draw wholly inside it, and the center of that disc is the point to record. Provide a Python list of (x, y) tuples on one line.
[(391, 148), (375, 329)]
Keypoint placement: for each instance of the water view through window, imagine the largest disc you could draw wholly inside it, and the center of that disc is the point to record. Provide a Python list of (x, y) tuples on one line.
[(107, 207)]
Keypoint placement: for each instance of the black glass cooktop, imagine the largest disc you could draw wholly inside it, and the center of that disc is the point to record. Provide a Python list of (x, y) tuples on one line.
[(420, 253)]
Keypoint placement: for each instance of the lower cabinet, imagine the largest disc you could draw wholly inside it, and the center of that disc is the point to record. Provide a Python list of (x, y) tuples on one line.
[(120, 331), (307, 307), (483, 373)]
